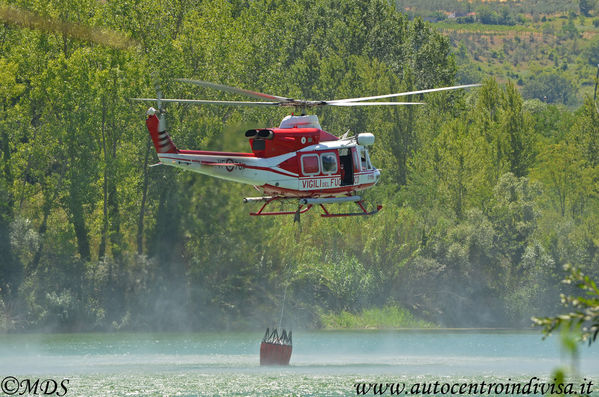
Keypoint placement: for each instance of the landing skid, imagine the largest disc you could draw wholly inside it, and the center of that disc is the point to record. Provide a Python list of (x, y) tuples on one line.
[(360, 204), (305, 204)]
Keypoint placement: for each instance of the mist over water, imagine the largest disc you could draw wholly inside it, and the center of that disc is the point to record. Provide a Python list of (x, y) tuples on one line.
[(323, 362)]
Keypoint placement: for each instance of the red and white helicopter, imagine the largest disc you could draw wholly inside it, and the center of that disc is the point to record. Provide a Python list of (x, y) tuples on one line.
[(297, 160)]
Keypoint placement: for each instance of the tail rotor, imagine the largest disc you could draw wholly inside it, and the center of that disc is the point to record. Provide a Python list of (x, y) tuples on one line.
[(159, 98), (156, 123)]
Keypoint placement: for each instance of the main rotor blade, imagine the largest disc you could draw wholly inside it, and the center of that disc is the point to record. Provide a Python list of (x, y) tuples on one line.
[(221, 87), (204, 102), (373, 103), (285, 104), (20, 17), (456, 87)]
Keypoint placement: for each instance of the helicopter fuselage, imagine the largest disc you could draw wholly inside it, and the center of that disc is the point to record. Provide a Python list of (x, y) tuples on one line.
[(284, 162)]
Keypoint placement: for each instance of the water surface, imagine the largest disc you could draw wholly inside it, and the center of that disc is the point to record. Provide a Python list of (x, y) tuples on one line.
[(323, 362)]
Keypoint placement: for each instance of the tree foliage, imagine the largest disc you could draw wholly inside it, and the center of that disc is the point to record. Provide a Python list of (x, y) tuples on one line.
[(585, 314), (485, 195)]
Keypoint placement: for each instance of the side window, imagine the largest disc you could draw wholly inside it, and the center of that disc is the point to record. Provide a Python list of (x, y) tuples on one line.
[(329, 163), (356, 160), (310, 164)]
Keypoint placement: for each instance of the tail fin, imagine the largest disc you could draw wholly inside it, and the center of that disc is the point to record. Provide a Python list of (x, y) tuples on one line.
[(157, 128)]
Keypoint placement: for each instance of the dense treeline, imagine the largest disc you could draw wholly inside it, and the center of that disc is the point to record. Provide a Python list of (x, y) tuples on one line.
[(485, 195)]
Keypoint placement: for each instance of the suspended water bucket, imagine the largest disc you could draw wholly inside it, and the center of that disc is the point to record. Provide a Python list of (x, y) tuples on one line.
[(276, 349)]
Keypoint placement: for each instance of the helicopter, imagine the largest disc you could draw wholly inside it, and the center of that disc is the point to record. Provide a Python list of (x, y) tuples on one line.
[(296, 161)]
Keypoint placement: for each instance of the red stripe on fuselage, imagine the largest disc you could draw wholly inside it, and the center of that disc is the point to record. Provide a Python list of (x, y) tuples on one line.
[(209, 153), (269, 169)]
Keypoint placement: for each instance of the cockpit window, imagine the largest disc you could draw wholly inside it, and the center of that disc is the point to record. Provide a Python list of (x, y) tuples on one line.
[(329, 163), (364, 159), (368, 163)]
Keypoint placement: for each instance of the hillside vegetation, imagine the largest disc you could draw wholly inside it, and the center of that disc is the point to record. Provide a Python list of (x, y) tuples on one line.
[(550, 49), (486, 195)]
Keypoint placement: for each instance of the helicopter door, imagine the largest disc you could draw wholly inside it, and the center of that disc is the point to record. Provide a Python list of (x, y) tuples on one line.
[(347, 167)]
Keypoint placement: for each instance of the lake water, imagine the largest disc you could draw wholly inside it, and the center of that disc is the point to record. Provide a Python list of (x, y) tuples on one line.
[(324, 363)]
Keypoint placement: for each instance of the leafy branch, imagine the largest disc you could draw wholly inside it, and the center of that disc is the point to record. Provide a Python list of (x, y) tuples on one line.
[(585, 308)]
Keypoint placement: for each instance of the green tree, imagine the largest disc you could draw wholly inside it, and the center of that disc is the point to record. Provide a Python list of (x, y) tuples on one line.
[(585, 133), (11, 271), (586, 6), (515, 124), (549, 87), (565, 174)]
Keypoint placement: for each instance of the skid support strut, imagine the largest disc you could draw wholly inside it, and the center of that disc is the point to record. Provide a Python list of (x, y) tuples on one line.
[(268, 200), (305, 204)]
